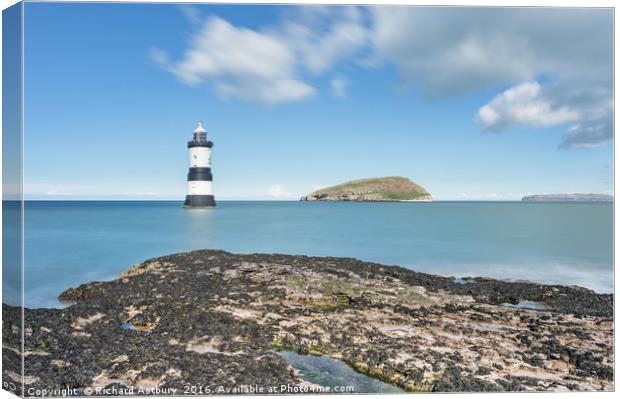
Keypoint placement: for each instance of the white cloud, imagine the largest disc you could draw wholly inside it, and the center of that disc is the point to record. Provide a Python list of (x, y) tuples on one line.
[(442, 51), (192, 13), (37, 190), (265, 91), (244, 64), (453, 50), (339, 87), (267, 65), (588, 111), (323, 36), (588, 135), (159, 56), (446, 51), (52, 193), (278, 191), (225, 50), (48, 189), (523, 104)]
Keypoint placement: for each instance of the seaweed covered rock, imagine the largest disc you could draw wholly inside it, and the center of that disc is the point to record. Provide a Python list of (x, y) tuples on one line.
[(208, 322)]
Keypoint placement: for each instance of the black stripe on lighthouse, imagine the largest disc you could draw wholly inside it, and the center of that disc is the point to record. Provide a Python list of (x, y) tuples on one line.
[(199, 201), (200, 174)]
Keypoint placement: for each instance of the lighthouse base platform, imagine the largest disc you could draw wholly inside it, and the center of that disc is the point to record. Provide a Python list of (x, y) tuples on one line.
[(199, 201)]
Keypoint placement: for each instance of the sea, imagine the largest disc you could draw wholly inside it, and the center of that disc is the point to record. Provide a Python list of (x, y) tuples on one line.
[(68, 243)]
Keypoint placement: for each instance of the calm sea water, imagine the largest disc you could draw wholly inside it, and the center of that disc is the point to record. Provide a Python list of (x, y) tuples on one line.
[(332, 373), (71, 242)]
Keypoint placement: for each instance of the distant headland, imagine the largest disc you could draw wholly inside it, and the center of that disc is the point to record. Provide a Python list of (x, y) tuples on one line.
[(568, 197), (392, 188)]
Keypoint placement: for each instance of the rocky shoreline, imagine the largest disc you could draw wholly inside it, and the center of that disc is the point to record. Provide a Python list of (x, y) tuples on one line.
[(210, 322), (360, 197)]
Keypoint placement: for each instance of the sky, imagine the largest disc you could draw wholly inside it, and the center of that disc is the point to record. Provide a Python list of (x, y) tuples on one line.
[(470, 103)]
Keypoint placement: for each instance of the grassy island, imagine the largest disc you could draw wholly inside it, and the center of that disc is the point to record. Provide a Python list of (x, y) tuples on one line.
[(393, 188)]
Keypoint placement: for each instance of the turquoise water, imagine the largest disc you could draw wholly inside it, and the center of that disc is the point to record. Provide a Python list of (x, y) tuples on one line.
[(68, 243), (334, 374)]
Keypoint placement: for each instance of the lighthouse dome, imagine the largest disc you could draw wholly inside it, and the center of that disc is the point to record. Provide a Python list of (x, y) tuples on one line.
[(200, 129)]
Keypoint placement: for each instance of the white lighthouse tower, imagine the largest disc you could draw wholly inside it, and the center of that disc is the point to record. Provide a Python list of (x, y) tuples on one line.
[(199, 178)]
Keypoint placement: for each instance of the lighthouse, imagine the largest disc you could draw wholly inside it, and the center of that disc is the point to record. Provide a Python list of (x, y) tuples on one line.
[(199, 178)]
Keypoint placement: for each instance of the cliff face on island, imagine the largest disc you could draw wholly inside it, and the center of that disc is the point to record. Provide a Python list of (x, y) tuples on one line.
[(214, 321), (569, 197), (392, 188)]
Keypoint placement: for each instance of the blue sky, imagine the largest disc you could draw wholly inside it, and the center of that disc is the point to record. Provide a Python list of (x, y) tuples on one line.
[(471, 104)]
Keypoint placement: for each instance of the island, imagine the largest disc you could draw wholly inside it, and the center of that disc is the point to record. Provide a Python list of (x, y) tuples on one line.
[(568, 197), (392, 188), (209, 321)]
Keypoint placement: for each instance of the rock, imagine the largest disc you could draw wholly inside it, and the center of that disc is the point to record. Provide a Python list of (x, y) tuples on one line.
[(223, 329)]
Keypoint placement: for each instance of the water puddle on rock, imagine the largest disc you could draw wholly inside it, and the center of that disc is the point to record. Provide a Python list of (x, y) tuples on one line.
[(128, 326), (527, 305), (328, 372)]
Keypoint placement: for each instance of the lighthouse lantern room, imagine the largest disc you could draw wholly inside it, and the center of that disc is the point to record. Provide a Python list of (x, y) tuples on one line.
[(199, 178)]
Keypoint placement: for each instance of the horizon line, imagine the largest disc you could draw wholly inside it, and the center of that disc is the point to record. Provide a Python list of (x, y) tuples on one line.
[(259, 200)]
